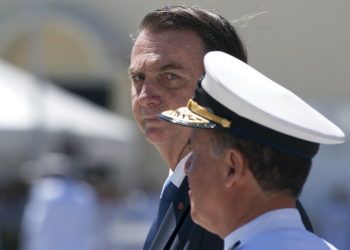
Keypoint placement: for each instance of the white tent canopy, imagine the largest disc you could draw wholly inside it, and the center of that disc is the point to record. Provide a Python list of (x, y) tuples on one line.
[(28, 102), (32, 110)]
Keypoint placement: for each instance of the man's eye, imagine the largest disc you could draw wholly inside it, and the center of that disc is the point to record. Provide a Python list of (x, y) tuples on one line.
[(168, 77), (171, 76), (138, 77)]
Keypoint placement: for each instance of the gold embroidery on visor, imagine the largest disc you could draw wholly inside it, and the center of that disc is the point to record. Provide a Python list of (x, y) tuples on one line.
[(185, 116), (198, 109)]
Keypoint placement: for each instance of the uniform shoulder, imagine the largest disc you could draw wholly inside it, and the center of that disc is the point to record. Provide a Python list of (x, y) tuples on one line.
[(288, 239)]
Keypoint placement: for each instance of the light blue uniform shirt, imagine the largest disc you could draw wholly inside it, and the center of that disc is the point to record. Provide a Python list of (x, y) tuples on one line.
[(275, 230)]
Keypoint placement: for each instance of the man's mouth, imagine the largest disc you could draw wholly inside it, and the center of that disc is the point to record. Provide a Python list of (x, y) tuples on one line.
[(151, 118)]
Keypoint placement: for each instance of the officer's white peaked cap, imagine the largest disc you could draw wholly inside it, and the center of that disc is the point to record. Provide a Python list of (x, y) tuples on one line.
[(234, 96)]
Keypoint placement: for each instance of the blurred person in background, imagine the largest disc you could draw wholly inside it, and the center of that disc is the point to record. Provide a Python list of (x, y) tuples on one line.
[(61, 210), (252, 144), (166, 63), (13, 196)]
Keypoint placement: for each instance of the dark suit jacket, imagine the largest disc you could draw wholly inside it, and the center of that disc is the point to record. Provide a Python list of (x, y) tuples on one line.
[(177, 230)]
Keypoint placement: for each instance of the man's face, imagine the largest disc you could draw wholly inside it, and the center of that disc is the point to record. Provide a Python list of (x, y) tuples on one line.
[(205, 175), (164, 69)]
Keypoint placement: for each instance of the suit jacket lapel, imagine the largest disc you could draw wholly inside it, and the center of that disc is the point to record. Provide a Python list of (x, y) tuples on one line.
[(173, 219)]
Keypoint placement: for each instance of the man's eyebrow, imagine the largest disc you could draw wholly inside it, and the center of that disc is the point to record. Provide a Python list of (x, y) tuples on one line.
[(131, 70), (170, 66), (165, 67)]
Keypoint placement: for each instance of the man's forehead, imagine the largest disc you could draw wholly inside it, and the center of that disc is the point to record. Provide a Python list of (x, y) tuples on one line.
[(153, 63), (198, 135), (171, 42)]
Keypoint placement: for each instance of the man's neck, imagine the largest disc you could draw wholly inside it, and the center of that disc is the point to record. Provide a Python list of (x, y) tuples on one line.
[(173, 154)]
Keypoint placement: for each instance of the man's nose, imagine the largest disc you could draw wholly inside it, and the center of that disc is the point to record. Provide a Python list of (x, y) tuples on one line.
[(149, 94), (188, 164)]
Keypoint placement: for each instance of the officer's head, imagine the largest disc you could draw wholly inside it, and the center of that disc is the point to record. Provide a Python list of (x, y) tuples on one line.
[(252, 142)]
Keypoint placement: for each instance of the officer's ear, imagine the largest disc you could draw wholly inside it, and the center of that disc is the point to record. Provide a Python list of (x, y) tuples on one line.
[(235, 167)]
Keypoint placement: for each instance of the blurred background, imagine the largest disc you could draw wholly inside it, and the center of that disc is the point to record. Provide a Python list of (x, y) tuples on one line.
[(65, 110)]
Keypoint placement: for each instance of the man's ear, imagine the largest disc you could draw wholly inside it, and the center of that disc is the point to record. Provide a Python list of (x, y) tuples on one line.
[(234, 167)]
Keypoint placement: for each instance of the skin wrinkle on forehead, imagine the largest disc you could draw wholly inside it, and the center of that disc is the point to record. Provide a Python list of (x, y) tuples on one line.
[(152, 63), (156, 66), (157, 46)]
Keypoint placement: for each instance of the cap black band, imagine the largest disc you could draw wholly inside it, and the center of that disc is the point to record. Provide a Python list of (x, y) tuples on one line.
[(246, 128)]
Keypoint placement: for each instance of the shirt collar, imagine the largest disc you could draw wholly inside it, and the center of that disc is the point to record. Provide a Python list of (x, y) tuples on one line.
[(178, 175), (273, 220)]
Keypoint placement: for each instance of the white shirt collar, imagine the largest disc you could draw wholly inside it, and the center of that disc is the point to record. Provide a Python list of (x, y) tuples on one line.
[(273, 220), (178, 175)]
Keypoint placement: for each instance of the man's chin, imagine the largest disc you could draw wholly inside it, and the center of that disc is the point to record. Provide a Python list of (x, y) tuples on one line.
[(155, 135)]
